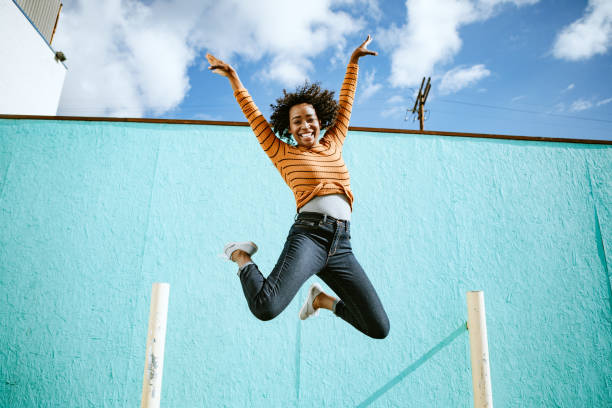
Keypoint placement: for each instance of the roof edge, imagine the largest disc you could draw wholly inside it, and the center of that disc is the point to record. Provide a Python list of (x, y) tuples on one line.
[(353, 128)]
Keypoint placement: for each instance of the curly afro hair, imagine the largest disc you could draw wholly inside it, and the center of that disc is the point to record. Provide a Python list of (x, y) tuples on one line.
[(322, 100)]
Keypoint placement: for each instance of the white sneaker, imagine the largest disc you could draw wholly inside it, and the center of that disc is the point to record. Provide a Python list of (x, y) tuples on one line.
[(308, 310), (247, 246)]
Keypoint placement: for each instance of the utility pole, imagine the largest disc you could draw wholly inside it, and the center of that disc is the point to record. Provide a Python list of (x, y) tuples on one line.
[(419, 103)]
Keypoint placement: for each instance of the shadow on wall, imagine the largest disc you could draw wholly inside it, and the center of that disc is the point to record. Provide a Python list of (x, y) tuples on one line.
[(601, 252), (412, 367)]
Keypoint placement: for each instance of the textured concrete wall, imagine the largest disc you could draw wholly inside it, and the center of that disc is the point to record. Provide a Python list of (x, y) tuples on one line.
[(91, 214)]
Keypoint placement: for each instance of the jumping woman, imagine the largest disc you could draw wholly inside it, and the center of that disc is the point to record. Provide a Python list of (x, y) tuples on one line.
[(319, 239)]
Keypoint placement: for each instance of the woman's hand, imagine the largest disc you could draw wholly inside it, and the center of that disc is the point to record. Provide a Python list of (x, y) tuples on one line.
[(219, 67), (361, 51)]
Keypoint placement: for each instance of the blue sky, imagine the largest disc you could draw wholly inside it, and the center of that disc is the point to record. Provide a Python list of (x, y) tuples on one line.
[(520, 67)]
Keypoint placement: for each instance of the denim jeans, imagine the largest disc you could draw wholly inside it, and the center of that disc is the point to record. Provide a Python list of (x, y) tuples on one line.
[(322, 247)]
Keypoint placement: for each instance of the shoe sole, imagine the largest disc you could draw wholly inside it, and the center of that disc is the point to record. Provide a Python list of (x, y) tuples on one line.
[(309, 301)]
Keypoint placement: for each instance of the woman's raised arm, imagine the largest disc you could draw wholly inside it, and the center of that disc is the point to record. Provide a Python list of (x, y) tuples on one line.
[(219, 67), (347, 93), (269, 143)]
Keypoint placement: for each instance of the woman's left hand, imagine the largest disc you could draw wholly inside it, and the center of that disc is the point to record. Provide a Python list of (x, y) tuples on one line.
[(362, 50)]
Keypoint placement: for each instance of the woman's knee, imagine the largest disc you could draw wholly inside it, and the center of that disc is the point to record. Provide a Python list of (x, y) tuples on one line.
[(265, 312), (380, 330)]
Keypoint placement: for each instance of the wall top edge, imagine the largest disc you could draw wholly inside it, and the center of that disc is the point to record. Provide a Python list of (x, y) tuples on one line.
[(351, 128)]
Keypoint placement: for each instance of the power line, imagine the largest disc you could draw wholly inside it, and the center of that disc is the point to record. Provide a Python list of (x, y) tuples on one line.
[(524, 110)]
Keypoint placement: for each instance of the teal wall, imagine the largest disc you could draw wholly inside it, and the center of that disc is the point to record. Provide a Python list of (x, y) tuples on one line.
[(92, 213)]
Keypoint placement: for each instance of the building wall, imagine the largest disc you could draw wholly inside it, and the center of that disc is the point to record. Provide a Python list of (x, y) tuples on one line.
[(31, 80), (92, 213), (43, 14)]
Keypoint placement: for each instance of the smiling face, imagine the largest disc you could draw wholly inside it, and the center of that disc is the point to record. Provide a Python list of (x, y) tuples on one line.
[(304, 125)]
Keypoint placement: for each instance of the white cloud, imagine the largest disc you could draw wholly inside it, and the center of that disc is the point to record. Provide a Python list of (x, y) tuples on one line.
[(580, 105), (396, 106), (128, 58), (291, 35), (460, 77), (369, 7), (590, 35), (569, 88), (396, 111), (206, 116), (430, 37), (396, 99), (558, 108), (604, 102), (289, 71), (123, 59), (368, 88), (490, 4)]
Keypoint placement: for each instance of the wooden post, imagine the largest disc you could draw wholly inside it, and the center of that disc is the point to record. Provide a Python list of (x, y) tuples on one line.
[(479, 350), (156, 340), (419, 102), (421, 117)]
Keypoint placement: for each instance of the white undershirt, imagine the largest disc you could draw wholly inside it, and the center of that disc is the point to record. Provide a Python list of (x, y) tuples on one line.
[(334, 205)]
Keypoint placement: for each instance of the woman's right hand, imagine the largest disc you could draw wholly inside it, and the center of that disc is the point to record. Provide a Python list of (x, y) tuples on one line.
[(219, 67)]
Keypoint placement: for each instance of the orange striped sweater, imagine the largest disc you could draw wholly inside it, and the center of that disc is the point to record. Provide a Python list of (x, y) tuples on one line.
[(312, 172)]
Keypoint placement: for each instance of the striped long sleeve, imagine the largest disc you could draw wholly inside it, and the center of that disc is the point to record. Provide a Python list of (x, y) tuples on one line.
[(312, 172)]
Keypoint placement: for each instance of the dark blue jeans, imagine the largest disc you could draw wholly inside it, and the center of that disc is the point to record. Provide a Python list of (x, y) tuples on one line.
[(322, 247)]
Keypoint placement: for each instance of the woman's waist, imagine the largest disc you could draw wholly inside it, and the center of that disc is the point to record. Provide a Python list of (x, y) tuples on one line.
[(336, 206)]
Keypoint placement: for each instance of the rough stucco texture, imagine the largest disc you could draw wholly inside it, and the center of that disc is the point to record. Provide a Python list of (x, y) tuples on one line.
[(91, 214)]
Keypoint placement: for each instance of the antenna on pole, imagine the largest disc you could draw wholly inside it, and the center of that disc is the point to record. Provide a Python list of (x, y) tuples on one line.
[(419, 102)]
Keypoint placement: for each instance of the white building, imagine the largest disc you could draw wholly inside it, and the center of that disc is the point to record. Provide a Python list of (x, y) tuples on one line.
[(31, 76)]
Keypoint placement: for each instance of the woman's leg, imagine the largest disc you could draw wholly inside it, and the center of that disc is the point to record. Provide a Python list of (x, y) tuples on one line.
[(359, 303), (302, 256)]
